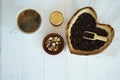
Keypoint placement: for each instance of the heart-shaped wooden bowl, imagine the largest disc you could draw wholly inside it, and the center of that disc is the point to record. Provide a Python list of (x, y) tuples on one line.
[(98, 37)]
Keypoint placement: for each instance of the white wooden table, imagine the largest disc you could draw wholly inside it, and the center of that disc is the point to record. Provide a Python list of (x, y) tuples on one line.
[(22, 55)]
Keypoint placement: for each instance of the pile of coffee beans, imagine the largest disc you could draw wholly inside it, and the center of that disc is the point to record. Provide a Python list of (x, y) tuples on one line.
[(86, 22)]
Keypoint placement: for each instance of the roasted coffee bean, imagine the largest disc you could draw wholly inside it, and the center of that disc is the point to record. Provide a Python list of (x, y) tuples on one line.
[(86, 22)]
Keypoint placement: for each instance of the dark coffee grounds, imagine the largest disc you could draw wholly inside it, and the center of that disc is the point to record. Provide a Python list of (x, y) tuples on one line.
[(29, 20), (86, 22)]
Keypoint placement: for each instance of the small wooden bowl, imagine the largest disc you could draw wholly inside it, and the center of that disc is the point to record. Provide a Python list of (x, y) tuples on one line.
[(47, 39)]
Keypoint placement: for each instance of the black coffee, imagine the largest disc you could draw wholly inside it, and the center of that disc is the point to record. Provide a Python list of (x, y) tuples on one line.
[(29, 20)]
